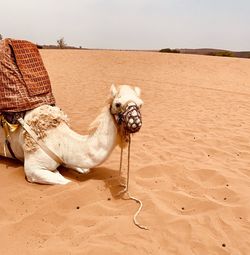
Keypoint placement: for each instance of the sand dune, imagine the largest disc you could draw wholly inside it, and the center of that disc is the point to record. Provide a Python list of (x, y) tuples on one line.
[(190, 162)]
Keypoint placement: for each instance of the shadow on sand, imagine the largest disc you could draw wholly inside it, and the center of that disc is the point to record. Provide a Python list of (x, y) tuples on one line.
[(8, 162), (108, 176)]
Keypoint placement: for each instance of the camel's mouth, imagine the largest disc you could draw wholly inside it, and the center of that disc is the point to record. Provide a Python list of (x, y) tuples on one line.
[(130, 118)]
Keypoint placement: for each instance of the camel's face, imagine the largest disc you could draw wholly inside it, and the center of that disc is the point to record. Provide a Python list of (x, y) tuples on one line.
[(125, 106), (123, 97)]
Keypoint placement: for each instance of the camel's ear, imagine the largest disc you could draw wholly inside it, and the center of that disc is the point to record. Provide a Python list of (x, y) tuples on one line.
[(137, 91), (113, 90)]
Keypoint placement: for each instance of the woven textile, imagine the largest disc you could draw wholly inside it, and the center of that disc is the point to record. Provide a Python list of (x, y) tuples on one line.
[(24, 81)]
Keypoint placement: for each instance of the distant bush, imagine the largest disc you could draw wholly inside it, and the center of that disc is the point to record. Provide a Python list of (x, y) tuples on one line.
[(1, 37), (221, 53), (61, 43), (225, 54), (168, 50)]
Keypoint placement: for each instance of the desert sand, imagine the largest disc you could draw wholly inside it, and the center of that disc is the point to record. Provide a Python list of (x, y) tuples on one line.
[(190, 162)]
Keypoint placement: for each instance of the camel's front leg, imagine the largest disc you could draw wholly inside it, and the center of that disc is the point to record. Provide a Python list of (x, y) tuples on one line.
[(44, 176), (40, 168)]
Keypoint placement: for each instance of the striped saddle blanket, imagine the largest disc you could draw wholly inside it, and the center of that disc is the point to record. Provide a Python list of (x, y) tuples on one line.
[(24, 81)]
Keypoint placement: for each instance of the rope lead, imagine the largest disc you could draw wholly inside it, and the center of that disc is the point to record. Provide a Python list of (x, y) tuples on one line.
[(125, 190)]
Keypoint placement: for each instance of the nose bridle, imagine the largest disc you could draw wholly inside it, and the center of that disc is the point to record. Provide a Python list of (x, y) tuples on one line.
[(129, 117)]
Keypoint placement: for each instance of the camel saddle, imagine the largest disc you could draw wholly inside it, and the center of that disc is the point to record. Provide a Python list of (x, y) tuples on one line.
[(24, 81)]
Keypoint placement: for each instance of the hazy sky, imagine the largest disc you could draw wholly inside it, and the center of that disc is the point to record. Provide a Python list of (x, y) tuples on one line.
[(130, 24)]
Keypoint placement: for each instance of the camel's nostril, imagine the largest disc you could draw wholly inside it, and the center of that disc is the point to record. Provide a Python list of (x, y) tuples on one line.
[(118, 105)]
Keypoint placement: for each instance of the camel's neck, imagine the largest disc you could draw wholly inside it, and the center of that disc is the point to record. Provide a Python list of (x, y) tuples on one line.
[(90, 151)]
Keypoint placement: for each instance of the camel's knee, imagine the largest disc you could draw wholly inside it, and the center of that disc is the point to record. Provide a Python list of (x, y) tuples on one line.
[(39, 168), (30, 174), (34, 175)]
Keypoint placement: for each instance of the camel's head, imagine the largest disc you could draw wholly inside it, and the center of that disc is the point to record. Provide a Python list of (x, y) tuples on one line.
[(125, 106)]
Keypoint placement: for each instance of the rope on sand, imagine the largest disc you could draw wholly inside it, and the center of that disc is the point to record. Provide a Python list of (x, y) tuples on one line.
[(137, 212), (125, 190)]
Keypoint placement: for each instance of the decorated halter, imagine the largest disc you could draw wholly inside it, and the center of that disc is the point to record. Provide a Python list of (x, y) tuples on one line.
[(129, 118)]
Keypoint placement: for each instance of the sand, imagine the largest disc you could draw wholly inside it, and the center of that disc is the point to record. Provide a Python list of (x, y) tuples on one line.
[(190, 162)]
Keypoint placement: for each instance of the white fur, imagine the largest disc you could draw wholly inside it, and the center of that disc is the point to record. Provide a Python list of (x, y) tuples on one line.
[(78, 152), (113, 90), (138, 91)]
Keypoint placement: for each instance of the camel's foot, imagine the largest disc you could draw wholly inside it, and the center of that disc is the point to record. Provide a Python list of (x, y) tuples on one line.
[(45, 177), (82, 170)]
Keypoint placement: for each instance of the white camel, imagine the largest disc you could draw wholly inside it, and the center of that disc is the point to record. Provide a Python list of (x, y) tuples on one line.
[(79, 152)]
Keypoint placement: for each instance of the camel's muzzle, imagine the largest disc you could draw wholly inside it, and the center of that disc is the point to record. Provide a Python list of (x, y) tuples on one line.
[(130, 118)]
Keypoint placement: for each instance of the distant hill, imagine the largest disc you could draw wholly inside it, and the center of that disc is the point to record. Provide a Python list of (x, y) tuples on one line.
[(56, 47), (210, 52)]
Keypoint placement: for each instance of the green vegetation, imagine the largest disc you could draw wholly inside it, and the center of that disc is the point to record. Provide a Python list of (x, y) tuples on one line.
[(168, 50), (222, 53)]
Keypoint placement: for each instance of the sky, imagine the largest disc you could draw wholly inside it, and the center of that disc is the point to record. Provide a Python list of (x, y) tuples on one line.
[(129, 24)]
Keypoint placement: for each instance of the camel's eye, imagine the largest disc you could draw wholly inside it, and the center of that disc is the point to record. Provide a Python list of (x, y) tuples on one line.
[(118, 105)]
